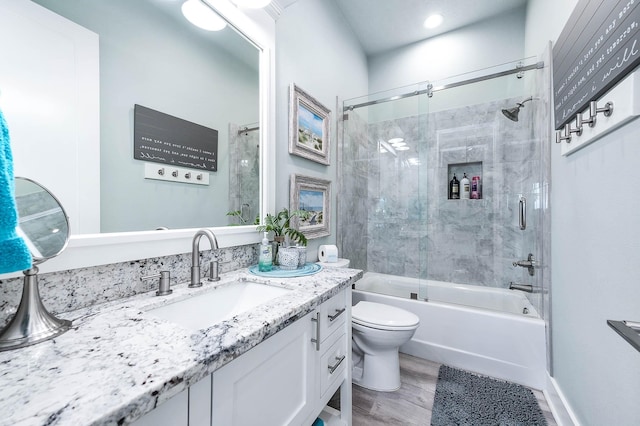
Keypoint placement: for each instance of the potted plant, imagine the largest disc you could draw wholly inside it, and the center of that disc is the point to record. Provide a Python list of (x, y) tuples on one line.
[(280, 226)]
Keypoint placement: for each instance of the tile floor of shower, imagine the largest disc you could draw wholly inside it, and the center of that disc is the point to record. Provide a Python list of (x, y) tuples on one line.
[(413, 402)]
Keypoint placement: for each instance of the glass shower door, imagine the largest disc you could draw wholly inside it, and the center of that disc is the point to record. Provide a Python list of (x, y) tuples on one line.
[(381, 204)]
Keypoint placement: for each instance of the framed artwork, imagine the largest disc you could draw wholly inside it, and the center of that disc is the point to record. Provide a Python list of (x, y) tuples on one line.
[(314, 196), (309, 127)]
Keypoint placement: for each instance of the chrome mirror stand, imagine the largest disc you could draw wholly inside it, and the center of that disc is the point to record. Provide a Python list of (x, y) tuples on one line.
[(32, 323)]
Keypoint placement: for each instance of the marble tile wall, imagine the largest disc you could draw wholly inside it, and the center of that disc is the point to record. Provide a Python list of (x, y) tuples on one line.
[(412, 228), (78, 288)]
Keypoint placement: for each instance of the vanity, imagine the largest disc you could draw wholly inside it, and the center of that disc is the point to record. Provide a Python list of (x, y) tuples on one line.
[(122, 363)]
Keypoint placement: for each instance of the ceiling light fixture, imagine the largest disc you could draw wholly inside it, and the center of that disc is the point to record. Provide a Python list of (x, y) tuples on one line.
[(395, 140), (202, 16), (433, 21), (252, 4)]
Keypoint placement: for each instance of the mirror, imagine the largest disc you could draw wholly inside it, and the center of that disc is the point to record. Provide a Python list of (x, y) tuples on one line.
[(43, 224), (150, 55)]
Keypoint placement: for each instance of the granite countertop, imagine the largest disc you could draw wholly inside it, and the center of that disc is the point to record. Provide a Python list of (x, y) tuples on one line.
[(118, 362)]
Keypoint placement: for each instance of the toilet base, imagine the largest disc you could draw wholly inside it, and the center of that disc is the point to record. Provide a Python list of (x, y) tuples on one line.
[(380, 372)]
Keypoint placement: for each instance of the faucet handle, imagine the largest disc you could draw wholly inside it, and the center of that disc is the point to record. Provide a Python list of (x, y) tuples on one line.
[(164, 287), (214, 269)]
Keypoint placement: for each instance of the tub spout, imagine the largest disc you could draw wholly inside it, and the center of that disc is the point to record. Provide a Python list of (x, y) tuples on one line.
[(522, 287)]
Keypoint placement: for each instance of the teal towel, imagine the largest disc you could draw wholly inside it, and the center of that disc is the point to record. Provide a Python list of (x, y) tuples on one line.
[(14, 254), (318, 422)]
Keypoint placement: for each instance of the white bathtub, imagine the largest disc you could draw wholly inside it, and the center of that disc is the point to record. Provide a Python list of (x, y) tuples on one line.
[(494, 337)]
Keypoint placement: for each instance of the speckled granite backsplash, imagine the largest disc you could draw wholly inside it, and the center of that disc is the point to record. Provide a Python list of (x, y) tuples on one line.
[(78, 288)]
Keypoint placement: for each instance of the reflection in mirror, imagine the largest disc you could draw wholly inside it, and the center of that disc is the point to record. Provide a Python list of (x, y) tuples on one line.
[(152, 56), (43, 225)]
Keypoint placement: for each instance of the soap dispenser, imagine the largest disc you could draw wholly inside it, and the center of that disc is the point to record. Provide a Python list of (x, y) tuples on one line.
[(265, 259)]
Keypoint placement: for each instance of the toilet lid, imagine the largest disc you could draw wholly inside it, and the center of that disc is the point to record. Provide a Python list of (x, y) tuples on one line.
[(378, 315)]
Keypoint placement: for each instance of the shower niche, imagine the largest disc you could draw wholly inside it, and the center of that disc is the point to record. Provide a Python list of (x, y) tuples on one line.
[(472, 169)]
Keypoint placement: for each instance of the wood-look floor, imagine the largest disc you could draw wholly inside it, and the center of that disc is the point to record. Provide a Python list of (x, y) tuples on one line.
[(412, 403)]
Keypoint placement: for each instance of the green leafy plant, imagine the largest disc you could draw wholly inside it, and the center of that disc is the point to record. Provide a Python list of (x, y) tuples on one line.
[(280, 225)]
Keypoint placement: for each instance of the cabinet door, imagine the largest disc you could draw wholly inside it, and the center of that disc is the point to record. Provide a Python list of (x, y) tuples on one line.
[(200, 403), (272, 384), (174, 412)]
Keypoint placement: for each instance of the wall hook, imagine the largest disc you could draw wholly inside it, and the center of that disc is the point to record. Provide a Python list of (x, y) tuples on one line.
[(560, 137), (607, 110), (568, 130)]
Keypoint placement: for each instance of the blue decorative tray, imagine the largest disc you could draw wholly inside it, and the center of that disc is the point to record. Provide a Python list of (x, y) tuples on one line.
[(276, 272)]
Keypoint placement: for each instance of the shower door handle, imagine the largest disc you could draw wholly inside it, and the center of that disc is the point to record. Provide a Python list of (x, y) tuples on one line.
[(522, 216)]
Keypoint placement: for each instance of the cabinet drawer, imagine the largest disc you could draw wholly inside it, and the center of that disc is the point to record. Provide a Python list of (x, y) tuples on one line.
[(333, 362), (333, 314)]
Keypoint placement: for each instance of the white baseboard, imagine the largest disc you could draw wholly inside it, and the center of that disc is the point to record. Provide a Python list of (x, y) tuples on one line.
[(558, 404)]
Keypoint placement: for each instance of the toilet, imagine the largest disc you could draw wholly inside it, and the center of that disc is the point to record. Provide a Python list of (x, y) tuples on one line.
[(378, 332)]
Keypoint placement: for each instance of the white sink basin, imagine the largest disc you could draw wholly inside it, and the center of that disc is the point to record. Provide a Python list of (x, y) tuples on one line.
[(206, 309)]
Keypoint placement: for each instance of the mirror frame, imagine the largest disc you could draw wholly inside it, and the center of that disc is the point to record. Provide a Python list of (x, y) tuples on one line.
[(85, 250)]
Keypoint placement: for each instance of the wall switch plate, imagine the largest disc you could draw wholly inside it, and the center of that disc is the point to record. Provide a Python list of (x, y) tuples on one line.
[(158, 171)]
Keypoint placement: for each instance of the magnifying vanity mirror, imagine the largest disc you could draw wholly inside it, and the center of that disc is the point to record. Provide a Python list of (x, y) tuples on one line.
[(44, 227)]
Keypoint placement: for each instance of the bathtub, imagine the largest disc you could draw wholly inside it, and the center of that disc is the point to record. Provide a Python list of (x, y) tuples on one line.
[(496, 332)]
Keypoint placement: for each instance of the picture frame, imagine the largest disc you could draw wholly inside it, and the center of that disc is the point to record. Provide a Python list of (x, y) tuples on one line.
[(309, 127), (313, 195)]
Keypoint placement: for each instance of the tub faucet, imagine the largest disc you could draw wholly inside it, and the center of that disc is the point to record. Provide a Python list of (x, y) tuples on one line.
[(530, 263), (195, 257)]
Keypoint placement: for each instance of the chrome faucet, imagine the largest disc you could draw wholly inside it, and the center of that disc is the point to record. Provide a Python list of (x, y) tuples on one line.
[(522, 287), (530, 263), (195, 257)]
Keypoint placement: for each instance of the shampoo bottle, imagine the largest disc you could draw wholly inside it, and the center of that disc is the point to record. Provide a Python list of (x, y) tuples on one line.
[(265, 259), (465, 188), (454, 188)]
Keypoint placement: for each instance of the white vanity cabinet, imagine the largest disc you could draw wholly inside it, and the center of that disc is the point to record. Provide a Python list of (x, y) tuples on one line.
[(290, 377), (285, 380)]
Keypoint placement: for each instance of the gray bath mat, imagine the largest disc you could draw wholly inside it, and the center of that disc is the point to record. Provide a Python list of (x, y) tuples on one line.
[(464, 398)]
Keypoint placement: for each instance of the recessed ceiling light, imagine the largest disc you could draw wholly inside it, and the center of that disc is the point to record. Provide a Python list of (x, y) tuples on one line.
[(433, 21), (252, 4), (402, 148), (202, 16), (395, 140)]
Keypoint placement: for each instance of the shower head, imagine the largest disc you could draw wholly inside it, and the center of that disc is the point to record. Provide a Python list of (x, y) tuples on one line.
[(512, 113)]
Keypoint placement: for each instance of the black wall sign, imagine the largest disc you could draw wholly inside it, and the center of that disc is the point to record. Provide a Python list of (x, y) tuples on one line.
[(599, 45), (162, 138)]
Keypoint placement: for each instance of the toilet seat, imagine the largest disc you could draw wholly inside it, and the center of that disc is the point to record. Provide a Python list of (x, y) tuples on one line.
[(383, 317)]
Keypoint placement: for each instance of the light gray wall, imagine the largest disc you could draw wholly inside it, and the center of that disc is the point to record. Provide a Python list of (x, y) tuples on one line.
[(318, 52), (595, 240), (595, 276), (461, 51), (150, 59)]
